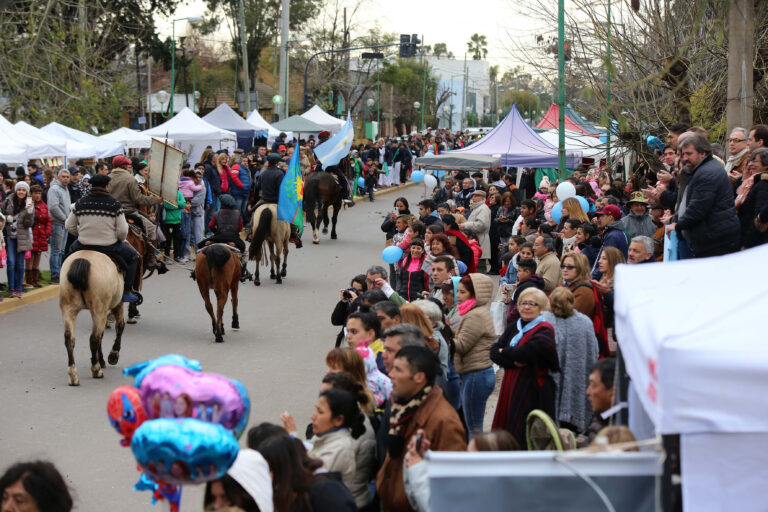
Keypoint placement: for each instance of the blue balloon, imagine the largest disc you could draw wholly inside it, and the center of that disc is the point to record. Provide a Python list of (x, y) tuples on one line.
[(246, 403), (557, 211), (462, 267), (183, 451), (654, 143), (584, 203), (141, 370), (417, 176), (392, 254), (360, 182)]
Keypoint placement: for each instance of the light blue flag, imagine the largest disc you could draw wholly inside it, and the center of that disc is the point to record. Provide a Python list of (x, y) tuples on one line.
[(292, 194), (337, 147)]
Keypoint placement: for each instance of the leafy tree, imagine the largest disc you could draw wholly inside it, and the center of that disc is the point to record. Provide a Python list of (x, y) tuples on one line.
[(407, 78), (477, 46), (441, 49)]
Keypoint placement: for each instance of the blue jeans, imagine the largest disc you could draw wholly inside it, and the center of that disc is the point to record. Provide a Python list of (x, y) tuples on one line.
[(57, 243), (453, 388), (476, 387), (241, 203), (186, 232), (15, 266)]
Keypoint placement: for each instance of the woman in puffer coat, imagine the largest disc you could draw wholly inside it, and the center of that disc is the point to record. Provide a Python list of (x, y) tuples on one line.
[(473, 341)]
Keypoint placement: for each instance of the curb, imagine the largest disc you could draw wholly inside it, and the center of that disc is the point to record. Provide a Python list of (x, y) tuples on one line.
[(31, 297)]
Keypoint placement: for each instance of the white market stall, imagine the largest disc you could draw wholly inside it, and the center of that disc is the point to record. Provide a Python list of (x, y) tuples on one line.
[(130, 139), (224, 117), (104, 148), (327, 121), (263, 128), (73, 149), (12, 152), (695, 349), (192, 134), (36, 147)]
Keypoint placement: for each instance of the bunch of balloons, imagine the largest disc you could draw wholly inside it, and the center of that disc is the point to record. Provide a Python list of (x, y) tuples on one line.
[(564, 191), (182, 424)]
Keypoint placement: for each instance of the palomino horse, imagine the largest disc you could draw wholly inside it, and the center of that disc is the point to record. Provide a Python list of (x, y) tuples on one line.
[(217, 267), (275, 233), (321, 191), (90, 280)]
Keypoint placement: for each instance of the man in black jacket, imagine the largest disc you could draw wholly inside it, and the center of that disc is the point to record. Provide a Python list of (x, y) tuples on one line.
[(706, 217), (268, 186)]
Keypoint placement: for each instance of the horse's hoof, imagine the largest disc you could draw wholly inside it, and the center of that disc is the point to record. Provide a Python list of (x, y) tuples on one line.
[(114, 355), (108, 326), (272, 276), (278, 281), (219, 339), (333, 236), (316, 242), (96, 371), (283, 273), (73, 380), (325, 231), (102, 363), (132, 320), (256, 282), (235, 324)]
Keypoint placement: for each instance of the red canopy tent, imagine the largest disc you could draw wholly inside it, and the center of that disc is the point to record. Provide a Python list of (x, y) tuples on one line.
[(550, 120)]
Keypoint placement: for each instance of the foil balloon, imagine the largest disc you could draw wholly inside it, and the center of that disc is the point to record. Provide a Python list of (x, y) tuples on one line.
[(160, 491), (141, 370), (176, 392), (126, 412), (183, 451), (240, 427)]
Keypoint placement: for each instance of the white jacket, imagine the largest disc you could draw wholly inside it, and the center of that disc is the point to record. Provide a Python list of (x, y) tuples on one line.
[(479, 222), (337, 452)]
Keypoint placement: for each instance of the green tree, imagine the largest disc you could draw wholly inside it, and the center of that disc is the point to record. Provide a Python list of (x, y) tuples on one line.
[(407, 78), (441, 49), (477, 46)]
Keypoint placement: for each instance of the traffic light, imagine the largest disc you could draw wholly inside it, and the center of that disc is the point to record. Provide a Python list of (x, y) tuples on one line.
[(307, 101), (567, 51), (415, 42), (405, 46)]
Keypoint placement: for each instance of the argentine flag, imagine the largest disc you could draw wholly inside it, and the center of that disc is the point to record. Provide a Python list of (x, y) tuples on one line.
[(337, 147)]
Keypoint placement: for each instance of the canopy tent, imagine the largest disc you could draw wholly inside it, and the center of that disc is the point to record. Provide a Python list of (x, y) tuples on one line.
[(327, 121), (589, 146), (298, 124), (192, 134), (224, 117), (454, 159), (590, 127), (103, 148), (550, 120), (260, 125), (695, 350), (37, 147), (130, 139), (12, 152), (515, 144), (72, 148)]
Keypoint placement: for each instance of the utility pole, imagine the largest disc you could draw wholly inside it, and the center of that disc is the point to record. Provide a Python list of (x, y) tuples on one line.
[(138, 85), (424, 88), (284, 17), (741, 33), (149, 90), (464, 96), (244, 47), (608, 95), (561, 88)]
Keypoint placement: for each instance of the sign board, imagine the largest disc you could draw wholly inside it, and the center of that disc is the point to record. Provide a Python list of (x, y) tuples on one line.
[(165, 170)]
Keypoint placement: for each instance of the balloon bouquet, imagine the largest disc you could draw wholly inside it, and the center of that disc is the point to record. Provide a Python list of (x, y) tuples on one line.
[(182, 424), (430, 182), (564, 191)]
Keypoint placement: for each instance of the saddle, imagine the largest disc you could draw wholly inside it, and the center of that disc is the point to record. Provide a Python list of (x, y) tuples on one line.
[(134, 222)]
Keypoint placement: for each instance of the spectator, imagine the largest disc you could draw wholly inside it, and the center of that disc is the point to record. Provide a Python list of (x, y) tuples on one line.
[(577, 352), (464, 197), (613, 233), (35, 486), (58, 208), (350, 361), (19, 212), (388, 226), (41, 230), (752, 194), (576, 278), (388, 313), (463, 251), (638, 222), (548, 265), (418, 404), (610, 258), (413, 279), (640, 250), (427, 213), (528, 353), (349, 303), (474, 337), (527, 209), (479, 223), (600, 393), (247, 485)]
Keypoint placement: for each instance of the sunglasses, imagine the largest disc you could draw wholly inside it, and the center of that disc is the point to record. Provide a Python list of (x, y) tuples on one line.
[(567, 267), (528, 305)]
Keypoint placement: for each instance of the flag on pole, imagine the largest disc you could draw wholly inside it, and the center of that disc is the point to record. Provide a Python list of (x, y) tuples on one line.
[(337, 147), (289, 203)]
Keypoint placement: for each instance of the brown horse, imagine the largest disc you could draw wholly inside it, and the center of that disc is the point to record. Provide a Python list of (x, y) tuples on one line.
[(90, 280), (217, 267), (274, 233), (321, 191)]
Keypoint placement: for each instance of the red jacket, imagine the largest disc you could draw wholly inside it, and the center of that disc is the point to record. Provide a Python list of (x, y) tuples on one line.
[(42, 228)]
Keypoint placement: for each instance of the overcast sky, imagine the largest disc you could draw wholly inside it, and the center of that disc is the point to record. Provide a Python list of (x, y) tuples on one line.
[(450, 21)]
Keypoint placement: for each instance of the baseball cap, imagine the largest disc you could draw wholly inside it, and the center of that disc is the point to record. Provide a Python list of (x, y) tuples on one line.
[(612, 210)]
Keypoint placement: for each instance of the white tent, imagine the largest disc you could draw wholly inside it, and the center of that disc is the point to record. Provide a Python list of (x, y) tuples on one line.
[(36, 146), (224, 117), (73, 148), (319, 116), (12, 152), (130, 139), (695, 349), (260, 125), (589, 146), (192, 134), (104, 148)]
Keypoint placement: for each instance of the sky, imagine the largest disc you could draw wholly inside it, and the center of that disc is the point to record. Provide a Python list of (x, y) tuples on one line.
[(450, 21)]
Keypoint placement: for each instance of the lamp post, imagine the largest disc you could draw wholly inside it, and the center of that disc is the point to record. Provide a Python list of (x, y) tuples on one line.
[(190, 19), (369, 103), (608, 84), (561, 88), (162, 97), (417, 106), (468, 110)]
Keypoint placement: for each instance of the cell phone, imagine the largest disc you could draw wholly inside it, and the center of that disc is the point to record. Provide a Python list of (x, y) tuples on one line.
[(419, 438)]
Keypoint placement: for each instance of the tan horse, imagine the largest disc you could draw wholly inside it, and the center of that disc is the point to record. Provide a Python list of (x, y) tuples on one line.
[(217, 267), (90, 280), (275, 234)]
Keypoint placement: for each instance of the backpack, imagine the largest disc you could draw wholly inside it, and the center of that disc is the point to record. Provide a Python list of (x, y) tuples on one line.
[(598, 322)]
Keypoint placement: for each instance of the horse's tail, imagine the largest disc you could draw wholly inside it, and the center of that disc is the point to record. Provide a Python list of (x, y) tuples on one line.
[(216, 256), (78, 274), (262, 230)]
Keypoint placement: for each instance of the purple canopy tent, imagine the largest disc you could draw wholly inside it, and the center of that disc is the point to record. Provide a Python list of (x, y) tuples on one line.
[(515, 143)]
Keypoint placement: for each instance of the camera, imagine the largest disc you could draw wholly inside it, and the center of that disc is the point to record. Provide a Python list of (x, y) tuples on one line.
[(347, 295)]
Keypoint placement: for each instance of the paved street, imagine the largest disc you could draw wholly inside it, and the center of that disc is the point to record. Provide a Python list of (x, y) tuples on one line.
[(278, 354)]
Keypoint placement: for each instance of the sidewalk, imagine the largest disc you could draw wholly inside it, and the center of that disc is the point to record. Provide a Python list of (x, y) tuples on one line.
[(30, 297)]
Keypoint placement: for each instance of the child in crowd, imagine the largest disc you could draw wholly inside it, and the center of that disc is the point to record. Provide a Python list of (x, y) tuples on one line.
[(514, 245), (413, 279), (41, 231)]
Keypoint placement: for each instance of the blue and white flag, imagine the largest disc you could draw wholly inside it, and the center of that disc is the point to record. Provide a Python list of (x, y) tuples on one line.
[(337, 147)]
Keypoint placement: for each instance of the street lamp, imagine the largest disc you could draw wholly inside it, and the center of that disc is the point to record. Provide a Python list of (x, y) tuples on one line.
[(162, 97), (192, 20), (416, 105)]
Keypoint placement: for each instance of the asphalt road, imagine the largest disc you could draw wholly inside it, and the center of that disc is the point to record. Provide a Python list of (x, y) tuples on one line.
[(278, 353)]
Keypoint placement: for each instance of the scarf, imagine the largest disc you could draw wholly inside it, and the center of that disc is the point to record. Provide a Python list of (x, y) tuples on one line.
[(746, 185), (733, 159), (466, 306), (400, 415), (522, 330)]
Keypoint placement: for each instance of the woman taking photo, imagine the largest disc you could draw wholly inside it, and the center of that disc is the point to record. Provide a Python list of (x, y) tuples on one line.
[(528, 353), (474, 338), (388, 226)]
